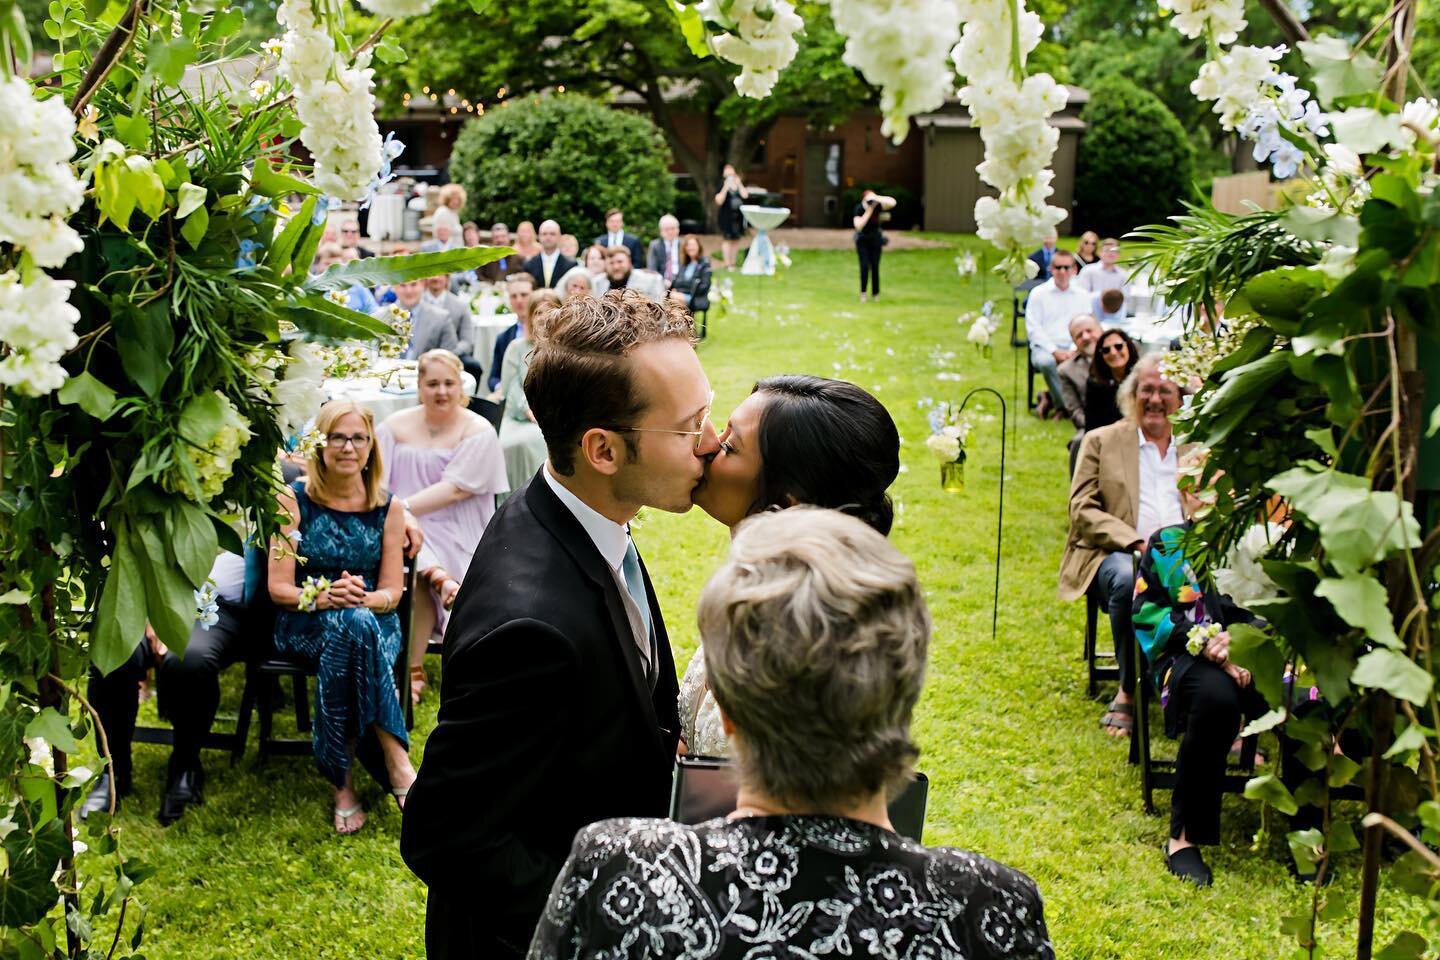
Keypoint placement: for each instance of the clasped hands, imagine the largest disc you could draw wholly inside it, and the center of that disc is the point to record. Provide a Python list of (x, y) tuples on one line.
[(346, 590), (1217, 650)]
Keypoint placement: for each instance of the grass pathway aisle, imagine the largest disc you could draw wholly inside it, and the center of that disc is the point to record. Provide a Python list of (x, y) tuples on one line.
[(1020, 769)]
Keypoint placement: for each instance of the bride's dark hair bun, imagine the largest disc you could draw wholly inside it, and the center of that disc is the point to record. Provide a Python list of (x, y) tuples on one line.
[(827, 443)]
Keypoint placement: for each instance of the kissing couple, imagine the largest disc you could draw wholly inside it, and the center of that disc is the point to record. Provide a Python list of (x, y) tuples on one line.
[(559, 698)]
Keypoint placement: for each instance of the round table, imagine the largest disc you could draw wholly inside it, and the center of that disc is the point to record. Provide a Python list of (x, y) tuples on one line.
[(385, 395), (760, 260)]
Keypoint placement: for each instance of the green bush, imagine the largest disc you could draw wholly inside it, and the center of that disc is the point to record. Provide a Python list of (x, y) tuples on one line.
[(1135, 163), (566, 158), (905, 215)]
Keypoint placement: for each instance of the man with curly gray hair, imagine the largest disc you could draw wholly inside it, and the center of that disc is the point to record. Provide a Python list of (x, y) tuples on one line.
[(815, 634)]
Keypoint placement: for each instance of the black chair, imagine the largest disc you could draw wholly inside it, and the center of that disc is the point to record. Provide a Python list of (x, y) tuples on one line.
[(265, 672), (1095, 672), (1019, 294), (488, 409)]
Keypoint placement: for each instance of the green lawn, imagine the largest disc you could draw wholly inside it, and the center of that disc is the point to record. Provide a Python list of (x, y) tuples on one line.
[(1020, 769)]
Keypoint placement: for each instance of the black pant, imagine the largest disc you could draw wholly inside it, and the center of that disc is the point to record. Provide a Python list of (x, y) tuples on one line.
[(1212, 704), (868, 246), (189, 689)]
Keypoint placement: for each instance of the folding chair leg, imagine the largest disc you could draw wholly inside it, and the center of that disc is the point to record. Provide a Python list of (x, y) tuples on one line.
[(247, 709), (1092, 614)]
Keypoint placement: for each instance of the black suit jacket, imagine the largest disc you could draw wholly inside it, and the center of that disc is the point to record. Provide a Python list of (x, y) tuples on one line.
[(629, 242), (536, 269), (546, 724)]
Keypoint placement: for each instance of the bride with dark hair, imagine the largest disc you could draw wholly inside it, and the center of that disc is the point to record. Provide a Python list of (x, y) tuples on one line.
[(795, 440)]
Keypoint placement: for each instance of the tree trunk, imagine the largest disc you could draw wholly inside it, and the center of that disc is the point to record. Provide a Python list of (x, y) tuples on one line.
[(704, 171)]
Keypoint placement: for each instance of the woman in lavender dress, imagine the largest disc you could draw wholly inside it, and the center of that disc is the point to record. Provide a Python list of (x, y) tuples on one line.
[(445, 464)]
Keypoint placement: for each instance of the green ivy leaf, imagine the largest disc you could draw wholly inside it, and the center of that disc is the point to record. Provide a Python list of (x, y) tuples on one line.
[(479, 6), (1362, 602), (1406, 946), (389, 50), (195, 227), (1359, 527), (1394, 673), (167, 59), (140, 178), (1269, 789), (1269, 721), (133, 131), (1342, 771), (1281, 295), (224, 24), (1257, 652), (1324, 438), (15, 597), (55, 728), (1342, 837), (92, 396), (1337, 71), (189, 198), (27, 888), (1305, 846), (1412, 738)]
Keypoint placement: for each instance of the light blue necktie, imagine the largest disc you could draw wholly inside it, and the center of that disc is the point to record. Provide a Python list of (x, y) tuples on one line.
[(635, 586)]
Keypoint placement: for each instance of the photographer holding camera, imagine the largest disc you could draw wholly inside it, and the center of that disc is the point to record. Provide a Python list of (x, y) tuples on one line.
[(869, 240), (732, 224)]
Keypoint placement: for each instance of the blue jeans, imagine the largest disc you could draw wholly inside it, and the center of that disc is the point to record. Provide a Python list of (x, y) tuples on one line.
[(1044, 361)]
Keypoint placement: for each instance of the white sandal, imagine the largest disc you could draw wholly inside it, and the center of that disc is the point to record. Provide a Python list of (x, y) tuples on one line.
[(342, 820)]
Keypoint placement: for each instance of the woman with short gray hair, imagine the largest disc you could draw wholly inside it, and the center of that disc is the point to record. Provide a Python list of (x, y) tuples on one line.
[(815, 635)]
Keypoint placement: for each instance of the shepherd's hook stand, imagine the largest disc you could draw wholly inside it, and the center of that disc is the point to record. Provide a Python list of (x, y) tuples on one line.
[(1000, 519)]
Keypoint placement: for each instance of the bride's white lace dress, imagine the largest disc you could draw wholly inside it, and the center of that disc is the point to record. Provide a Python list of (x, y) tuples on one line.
[(700, 725)]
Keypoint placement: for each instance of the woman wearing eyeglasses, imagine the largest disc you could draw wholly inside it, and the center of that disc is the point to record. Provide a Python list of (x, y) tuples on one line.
[(337, 609), (795, 440), (1115, 357), (445, 464)]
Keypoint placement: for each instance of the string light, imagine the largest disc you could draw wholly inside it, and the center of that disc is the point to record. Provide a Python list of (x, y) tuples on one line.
[(425, 90), (450, 92), (561, 88), (500, 93)]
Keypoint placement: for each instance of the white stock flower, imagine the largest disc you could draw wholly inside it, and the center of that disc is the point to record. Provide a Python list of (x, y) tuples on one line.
[(1242, 578), (1421, 118), (760, 39), (398, 9), (297, 394), (1221, 19), (38, 325), (900, 46), (38, 188)]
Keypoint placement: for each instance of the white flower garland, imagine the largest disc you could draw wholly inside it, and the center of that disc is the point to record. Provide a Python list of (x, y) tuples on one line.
[(1013, 117), (901, 47), (760, 39), (37, 326), (334, 103)]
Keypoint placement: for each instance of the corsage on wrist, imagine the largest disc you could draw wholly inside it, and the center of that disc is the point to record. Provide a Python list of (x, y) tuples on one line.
[(310, 591), (1200, 635)]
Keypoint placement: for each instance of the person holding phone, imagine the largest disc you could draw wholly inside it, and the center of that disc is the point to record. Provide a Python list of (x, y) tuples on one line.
[(732, 224), (869, 240)]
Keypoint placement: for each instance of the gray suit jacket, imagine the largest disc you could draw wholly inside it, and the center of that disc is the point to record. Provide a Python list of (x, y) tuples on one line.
[(1074, 373), (655, 258), (457, 312), (430, 329)]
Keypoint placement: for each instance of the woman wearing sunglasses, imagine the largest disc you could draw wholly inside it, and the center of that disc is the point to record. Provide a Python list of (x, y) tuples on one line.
[(1115, 357)]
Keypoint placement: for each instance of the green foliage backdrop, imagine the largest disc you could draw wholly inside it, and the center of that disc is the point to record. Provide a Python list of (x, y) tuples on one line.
[(566, 157)]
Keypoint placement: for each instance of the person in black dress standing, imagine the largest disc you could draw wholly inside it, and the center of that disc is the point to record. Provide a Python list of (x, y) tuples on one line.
[(732, 195), (815, 634), (869, 240), (558, 687)]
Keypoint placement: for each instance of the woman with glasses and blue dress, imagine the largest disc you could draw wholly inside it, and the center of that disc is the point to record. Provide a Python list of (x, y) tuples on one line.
[(444, 463), (337, 573)]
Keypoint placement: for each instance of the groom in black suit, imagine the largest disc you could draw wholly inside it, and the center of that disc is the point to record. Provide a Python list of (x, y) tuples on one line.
[(558, 690)]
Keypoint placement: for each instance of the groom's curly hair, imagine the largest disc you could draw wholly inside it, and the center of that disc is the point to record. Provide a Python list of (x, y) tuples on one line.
[(577, 379)]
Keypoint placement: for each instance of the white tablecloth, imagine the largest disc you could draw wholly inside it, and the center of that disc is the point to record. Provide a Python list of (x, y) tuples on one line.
[(384, 396), (760, 260), (488, 328)]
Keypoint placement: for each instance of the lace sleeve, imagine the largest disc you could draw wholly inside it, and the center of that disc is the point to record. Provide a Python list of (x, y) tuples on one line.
[(693, 687)]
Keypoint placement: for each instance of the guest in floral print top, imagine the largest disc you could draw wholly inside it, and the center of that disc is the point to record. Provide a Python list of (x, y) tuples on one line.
[(815, 635)]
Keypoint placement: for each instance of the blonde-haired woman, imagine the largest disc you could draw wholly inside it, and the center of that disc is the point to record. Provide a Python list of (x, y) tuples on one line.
[(452, 199), (526, 244), (337, 608), (1087, 250), (445, 464)]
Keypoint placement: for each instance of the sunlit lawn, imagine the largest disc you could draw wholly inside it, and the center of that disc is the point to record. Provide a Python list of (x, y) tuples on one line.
[(1020, 769)]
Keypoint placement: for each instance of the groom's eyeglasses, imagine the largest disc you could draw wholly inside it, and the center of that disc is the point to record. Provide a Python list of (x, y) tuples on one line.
[(697, 435)]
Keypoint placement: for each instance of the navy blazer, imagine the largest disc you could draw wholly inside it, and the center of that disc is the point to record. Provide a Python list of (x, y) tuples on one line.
[(629, 242)]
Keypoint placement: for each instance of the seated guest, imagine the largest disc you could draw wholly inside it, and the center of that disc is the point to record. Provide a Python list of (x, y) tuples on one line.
[(430, 328), (664, 255), (446, 237), (1087, 248), (570, 245), (497, 270), (357, 296), (691, 284), (1124, 490), (1105, 273), (438, 294), (576, 283), (469, 237), (470, 233), (445, 465), (526, 246), (1204, 695), (619, 276), (1041, 257), (594, 260), (1084, 331), (520, 436), (1048, 311), (189, 691), (1116, 356), (794, 440), (549, 265), (815, 635), (1110, 306), (615, 235), (452, 199), (350, 237), (518, 287), (352, 535)]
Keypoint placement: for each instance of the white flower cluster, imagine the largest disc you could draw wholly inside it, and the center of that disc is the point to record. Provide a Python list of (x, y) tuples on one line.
[(207, 605), (37, 326), (1200, 636), (900, 46), (334, 103), (1261, 104), (1341, 184), (310, 591), (1200, 350), (1242, 578), (982, 329), (1013, 116), (399, 9), (298, 395), (1220, 20), (212, 461), (38, 188), (1420, 120), (759, 38)]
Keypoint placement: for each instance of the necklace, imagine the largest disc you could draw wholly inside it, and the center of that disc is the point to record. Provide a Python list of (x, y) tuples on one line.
[(435, 431)]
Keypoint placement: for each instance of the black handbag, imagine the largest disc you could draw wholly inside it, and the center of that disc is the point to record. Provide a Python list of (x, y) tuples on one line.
[(705, 788)]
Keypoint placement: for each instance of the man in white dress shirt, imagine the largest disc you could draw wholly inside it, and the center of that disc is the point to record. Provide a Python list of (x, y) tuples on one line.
[(1048, 312), (550, 264)]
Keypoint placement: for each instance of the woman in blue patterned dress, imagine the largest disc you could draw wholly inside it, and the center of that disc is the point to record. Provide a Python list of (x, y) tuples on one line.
[(337, 606)]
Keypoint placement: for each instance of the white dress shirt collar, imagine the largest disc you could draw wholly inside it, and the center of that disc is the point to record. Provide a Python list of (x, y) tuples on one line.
[(610, 538)]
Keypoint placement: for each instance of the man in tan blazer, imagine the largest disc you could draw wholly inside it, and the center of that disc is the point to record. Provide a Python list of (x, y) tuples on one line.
[(1124, 489)]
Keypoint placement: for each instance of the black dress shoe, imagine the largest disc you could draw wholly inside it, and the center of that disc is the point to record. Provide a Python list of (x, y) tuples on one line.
[(182, 790), (1187, 864), (98, 799)]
